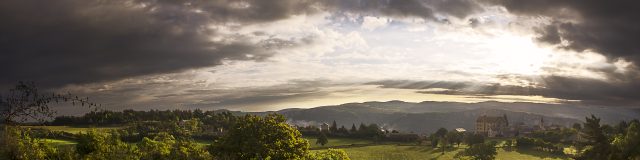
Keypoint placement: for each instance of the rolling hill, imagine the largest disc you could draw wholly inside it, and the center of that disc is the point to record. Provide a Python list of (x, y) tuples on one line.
[(428, 116)]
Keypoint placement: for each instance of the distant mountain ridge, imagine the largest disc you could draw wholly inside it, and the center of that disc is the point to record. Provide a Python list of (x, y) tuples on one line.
[(425, 117)]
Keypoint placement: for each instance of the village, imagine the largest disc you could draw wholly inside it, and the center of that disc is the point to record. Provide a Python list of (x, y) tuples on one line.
[(485, 126)]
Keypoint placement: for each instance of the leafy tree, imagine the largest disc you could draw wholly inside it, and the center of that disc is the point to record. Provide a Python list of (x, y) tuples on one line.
[(353, 128), (186, 128), (441, 132), (159, 147), (254, 137), (93, 145), (16, 143), (25, 102), (481, 151), (343, 130), (329, 154), (188, 149), (472, 139), (627, 145), (524, 142), (596, 139), (334, 127), (444, 143), (620, 128), (577, 126), (454, 137), (322, 139), (362, 128), (434, 140), (553, 136)]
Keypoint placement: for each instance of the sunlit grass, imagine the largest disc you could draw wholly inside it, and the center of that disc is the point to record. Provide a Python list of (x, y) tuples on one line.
[(60, 142), (336, 142), (74, 130), (390, 152), (410, 152)]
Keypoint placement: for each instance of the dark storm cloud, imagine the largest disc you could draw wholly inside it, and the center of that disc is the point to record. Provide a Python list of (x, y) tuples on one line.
[(611, 28), (72, 41), (246, 11), (593, 91), (457, 8), (399, 8), (82, 41), (427, 9)]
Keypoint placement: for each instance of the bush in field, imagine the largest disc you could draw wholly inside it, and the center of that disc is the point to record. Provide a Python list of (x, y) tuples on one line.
[(322, 139), (254, 137), (481, 151), (187, 149), (538, 144), (165, 146), (472, 138), (330, 154), (627, 145), (93, 145), (508, 144), (17, 144), (156, 148)]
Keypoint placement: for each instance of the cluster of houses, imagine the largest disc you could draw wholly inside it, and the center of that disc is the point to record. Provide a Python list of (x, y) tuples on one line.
[(489, 126), (498, 126)]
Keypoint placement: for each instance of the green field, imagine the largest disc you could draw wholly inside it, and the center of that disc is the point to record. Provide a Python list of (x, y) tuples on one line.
[(72, 129), (390, 152), (407, 151), (367, 150), (336, 142), (59, 142)]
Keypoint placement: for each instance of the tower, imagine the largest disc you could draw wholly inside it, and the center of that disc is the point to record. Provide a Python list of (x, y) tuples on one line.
[(506, 120), (541, 122)]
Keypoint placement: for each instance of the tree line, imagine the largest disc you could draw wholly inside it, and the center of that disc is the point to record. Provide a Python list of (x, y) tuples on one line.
[(107, 117), (370, 131)]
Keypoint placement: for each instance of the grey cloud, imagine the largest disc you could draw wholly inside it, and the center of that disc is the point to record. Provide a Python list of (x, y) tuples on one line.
[(621, 92), (474, 22), (611, 28), (249, 98), (74, 42), (247, 11), (407, 84), (549, 34), (457, 8), (592, 91), (427, 9), (400, 8)]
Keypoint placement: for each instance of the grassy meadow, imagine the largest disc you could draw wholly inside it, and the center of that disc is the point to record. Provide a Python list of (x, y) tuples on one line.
[(337, 142), (60, 142), (394, 151), (357, 149), (407, 151), (73, 129)]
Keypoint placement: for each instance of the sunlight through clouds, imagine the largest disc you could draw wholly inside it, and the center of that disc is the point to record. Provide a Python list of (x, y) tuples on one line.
[(491, 51)]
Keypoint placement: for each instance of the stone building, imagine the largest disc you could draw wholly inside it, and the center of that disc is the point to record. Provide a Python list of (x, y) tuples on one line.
[(492, 126), (324, 127)]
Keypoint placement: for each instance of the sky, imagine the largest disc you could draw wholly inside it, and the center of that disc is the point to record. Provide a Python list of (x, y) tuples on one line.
[(263, 55)]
